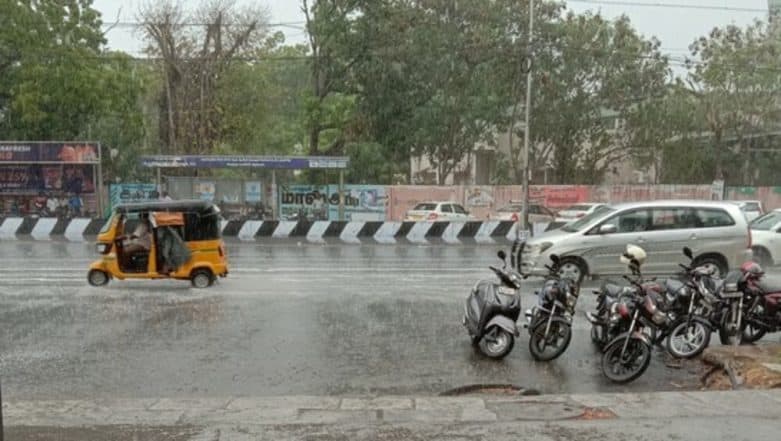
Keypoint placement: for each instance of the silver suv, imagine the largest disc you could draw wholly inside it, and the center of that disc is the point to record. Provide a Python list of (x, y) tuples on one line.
[(717, 232)]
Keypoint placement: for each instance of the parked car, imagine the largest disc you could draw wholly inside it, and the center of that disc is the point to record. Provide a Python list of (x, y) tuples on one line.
[(717, 232), (577, 211), (766, 238), (752, 209), (514, 212), (438, 211)]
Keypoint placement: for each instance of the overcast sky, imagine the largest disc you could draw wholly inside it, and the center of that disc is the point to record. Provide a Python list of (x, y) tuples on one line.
[(676, 27)]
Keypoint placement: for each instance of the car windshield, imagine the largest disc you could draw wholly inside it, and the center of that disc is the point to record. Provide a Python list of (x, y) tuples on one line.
[(588, 219), (767, 221), (510, 208), (426, 207)]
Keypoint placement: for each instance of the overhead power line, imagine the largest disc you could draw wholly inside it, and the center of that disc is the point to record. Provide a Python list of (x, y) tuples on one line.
[(138, 24), (668, 5)]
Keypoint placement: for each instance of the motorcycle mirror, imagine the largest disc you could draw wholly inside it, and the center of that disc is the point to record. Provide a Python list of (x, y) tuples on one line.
[(554, 258), (688, 253), (502, 255)]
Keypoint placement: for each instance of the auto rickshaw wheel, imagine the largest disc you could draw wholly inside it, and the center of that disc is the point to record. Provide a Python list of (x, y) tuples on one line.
[(201, 278), (97, 277)]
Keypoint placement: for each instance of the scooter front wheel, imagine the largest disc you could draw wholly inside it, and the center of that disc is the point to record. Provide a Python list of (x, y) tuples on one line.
[(496, 343)]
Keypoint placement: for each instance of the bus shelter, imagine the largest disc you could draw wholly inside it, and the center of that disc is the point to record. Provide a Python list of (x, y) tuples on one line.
[(270, 163)]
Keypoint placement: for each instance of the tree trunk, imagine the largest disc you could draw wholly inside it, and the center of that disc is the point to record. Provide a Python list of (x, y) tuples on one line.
[(169, 101)]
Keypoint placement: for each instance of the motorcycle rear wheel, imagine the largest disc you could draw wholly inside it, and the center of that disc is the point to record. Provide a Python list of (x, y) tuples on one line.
[(634, 363)]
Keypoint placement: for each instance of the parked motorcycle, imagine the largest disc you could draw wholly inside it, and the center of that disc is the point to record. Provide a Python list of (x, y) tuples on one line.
[(628, 354), (694, 300), (492, 310), (550, 322), (602, 321), (730, 315), (763, 298)]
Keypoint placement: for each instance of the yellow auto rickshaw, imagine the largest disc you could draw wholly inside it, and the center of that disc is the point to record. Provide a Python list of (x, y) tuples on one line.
[(177, 240)]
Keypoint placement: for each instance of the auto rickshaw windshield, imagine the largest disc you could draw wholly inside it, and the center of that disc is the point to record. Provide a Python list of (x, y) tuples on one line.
[(107, 225)]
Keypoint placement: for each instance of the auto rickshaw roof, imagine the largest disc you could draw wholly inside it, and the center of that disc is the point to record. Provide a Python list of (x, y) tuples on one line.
[(197, 206)]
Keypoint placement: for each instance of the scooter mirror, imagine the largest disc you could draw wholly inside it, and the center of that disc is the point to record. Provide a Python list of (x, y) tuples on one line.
[(502, 255), (688, 253)]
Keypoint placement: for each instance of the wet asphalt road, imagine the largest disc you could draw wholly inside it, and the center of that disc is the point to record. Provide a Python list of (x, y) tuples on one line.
[(289, 320)]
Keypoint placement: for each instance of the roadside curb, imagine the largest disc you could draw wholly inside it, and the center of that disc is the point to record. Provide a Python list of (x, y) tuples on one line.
[(319, 232), (303, 410)]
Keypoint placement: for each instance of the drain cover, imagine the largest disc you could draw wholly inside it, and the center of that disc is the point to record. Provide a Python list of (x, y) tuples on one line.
[(490, 389)]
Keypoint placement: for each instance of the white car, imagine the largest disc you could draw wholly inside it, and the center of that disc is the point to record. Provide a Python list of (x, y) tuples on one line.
[(514, 212), (577, 211), (766, 238), (438, 211), (752, 209)]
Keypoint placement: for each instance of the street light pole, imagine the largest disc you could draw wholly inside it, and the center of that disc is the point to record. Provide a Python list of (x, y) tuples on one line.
[(526, 170), (1, 413)]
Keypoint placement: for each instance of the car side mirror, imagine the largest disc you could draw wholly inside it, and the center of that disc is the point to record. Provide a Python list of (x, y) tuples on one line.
[(688, 253), (502, 255), (607, 229)]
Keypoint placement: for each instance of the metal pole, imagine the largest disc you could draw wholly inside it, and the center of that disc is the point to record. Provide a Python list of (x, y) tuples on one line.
[(274, 204), (99, 185), (526, 169), (341, 194), (1, 412)]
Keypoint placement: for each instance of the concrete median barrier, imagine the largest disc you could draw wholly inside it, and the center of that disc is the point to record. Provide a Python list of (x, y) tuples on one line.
[(355, 232)]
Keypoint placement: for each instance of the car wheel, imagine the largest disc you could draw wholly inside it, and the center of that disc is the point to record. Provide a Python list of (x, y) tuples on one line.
[(574, 268), (714, 263), (762, 256)]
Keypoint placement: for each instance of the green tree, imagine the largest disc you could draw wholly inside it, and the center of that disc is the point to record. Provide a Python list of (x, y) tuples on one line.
[(50, 64), (590, 75), (262, 100), (737, 75)]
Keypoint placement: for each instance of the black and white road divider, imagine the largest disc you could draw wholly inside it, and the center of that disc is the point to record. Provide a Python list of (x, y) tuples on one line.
[(382, 232)]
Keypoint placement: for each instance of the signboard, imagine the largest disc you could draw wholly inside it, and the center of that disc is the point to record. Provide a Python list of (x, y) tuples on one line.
[(71, 178), (205, 190), (321, 202), (49, 152), (361, 202), (252, 191), (303, 202), (126, 193), (273, 162)]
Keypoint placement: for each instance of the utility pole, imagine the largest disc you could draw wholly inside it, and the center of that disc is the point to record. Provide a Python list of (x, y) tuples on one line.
[(526, 170), (1, 413)]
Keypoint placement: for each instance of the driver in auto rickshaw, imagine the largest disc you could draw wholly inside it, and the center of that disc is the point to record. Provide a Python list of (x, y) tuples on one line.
[(141, 239)]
